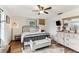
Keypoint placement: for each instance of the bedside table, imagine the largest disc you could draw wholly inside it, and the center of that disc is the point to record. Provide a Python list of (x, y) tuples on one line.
[(17, 37)]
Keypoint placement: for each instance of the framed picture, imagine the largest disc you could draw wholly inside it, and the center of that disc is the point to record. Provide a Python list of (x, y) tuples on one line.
[(42, 21), (7, 19), (33, 23)]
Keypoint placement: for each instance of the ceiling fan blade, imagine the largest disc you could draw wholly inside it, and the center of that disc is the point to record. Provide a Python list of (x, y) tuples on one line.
[(48, 8), (45, 12), (40, 7), (35, 10)]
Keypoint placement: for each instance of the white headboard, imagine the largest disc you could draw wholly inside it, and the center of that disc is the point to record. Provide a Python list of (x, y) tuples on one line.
[(25, 28)]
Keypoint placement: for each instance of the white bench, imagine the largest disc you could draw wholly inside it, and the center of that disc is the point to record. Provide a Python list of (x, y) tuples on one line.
[(38, 43)]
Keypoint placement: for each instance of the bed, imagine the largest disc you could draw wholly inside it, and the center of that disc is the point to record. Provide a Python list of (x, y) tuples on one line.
[(35, 39)]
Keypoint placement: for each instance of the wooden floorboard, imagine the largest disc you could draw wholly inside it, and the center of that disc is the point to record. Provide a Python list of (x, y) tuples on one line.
[(15, 47)]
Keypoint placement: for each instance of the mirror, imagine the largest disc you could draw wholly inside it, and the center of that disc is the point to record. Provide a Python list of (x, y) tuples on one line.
[(71, 24)]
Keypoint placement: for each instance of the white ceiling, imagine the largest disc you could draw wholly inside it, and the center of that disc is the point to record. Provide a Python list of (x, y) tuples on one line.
[(25, 11)]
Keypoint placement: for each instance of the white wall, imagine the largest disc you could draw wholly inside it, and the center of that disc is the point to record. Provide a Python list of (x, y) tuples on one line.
[(19, 23), (51, 25)]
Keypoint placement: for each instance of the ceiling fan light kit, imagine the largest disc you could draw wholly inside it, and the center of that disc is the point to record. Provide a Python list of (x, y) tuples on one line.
[(41, 12)]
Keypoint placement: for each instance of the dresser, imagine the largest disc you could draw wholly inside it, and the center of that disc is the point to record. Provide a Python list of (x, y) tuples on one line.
[(70, 40)]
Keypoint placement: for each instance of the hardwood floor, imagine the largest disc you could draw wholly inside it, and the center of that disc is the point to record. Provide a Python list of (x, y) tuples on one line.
[(16, 46)]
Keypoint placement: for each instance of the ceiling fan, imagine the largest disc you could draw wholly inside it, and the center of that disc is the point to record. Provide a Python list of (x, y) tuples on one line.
[(42, 9)]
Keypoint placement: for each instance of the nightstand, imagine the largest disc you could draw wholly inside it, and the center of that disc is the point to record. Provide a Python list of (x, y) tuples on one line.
[(18, 37)]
